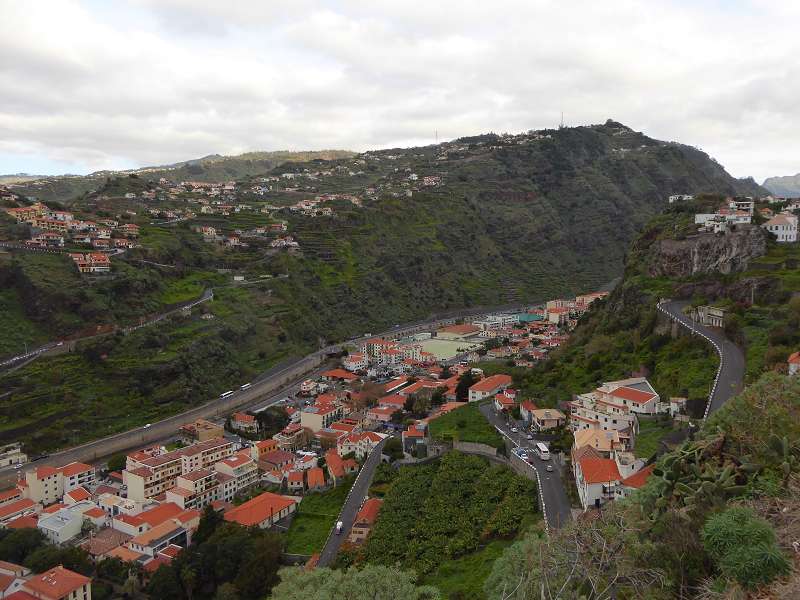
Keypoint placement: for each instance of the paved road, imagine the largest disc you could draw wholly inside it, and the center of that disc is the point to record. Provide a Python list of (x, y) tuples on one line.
[(730, 375), (351, 506), (557, 508)]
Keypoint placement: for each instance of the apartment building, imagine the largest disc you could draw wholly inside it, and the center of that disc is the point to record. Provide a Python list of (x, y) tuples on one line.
[(241, 468), (46, 485)]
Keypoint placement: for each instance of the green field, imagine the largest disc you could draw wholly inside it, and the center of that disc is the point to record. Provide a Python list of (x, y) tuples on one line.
[(466, 424), (650, 434), (316, 516), (463, 577)]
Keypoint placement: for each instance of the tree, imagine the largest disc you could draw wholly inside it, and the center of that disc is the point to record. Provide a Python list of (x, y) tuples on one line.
[(209, 521), (227, 591), (446, 372), (393, 448), (372, 582), (17, 544), (165, 584), (744, 547), (117, 462), (466, 381)]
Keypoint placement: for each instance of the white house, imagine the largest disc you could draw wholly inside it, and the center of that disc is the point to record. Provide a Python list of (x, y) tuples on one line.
[(783, 226), (488, 387)]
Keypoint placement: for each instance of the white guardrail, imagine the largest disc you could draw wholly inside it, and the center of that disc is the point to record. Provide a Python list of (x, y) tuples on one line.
[(538, 482), (690, 326)]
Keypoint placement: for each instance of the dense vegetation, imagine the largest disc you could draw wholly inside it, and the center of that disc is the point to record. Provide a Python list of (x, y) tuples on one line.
[(437, 515), (718, 517), (224, 559), (315, 518), (510, 222), (466, 424)]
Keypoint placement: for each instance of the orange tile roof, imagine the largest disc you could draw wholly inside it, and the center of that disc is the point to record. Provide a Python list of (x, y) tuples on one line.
[(28, 521), (491, 383), (79, 494), (132, 520), (258, 509), (95, 513), (75, 468), (599, 470), (124, 553), (794, 358), (243, 418), (460, 329), (295, 477), (9, 494), (339, 374), (639, 478), (316, 477), (54, 508), (637, 396), (159, 514), (157, 532), (369, 512), (45, 471), (56, 583)]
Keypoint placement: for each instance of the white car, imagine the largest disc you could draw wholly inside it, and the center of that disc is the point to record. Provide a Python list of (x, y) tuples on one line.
[(514, 430), (529, 436)]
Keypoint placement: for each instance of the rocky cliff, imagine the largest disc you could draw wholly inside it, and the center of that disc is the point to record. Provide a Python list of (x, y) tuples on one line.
[(707, 253), (788, 185)]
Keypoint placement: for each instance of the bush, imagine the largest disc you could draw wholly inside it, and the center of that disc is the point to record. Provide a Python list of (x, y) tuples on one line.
[(743, 547)]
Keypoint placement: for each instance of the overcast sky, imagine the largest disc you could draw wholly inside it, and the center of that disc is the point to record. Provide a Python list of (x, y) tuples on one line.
[(89, 85)]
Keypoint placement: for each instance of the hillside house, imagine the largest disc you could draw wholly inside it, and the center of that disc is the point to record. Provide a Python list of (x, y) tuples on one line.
[(783, 226), (794, 363), (543, 419), (489, 386), (365, 519), (244, 422)]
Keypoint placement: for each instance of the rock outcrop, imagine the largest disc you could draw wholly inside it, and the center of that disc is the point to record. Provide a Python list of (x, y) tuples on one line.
[(703, 253)]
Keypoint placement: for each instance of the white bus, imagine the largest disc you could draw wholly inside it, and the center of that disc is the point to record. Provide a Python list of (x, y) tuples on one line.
[(542, 451), (226, 394)]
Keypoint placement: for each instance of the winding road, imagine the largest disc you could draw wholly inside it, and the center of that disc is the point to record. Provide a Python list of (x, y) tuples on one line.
[(355, 498), (730, 374)]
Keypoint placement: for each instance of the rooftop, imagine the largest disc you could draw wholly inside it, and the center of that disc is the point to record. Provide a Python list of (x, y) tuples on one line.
[(258, 509)]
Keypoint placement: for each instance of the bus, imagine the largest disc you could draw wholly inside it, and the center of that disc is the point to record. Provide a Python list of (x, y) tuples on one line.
[(542, 451), (226, 394)]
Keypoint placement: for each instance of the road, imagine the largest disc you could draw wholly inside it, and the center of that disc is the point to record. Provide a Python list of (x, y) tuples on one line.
[(557, 509), (730, 375), (266, 389), (351, 506)]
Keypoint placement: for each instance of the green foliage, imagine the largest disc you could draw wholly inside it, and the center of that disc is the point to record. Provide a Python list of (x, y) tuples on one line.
[(466, 424), (17, 544), (372, 582), (248, 559), (744, 547), (393, 448), (117, 462), (421, 525), (315, 517)]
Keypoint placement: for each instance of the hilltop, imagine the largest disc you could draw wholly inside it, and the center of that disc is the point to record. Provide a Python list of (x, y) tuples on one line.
[(787, 186), (215, 167), (362, 243)]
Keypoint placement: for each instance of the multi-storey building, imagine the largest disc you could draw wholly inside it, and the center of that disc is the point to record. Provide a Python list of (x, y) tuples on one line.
[(47, 485)]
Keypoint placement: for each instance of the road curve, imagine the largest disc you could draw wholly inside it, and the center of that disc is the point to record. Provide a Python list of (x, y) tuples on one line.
[(352, 505), (730, 373)]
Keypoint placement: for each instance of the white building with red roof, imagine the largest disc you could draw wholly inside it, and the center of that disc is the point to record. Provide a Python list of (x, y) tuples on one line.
[(360, 444), (59, 584), (263, 511), (244, 422), (635, 393), (489, 386), (794, 363)]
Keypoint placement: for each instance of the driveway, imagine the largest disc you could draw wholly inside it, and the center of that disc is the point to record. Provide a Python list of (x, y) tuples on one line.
[(730, 377), (557, 508), (351, 506)]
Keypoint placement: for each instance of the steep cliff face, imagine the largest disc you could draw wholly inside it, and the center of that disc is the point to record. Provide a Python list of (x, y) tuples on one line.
[(707, 253)]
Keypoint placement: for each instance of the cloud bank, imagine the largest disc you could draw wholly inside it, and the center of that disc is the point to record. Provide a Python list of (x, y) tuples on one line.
[(89, 85)]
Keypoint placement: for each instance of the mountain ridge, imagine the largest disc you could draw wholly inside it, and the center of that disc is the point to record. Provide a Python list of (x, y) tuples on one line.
[(783, 185)]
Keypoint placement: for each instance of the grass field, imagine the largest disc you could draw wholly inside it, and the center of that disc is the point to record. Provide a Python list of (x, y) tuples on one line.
[(315, 517), (466, 424), (464, 576), (650, 434), (15, 328)]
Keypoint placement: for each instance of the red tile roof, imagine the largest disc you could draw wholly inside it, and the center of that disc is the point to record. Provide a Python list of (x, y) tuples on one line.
[(79, 494), (795, 358), (637, 396), (316, 478), (639, 478), (159, 514), (28, 521), (339, 374), (56, 583), (15, 507), (259, 509), (491, 383), (599, 470), (369, 512)]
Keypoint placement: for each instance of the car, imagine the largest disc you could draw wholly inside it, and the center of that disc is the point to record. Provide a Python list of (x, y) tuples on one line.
[(529, 436), (549, 468), (17, 467), (147, 425), (514, 430)]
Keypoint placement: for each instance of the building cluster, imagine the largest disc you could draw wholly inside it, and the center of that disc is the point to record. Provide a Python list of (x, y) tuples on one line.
[(605, 423), (734, 211), (55, 228), (147, 513)]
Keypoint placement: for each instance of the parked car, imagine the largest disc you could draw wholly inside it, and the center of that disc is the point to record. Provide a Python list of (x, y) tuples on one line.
[(529, 436), (549, 468), (514, 430)]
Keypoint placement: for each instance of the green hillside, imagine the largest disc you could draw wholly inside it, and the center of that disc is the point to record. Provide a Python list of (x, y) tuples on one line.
[(512, 219)]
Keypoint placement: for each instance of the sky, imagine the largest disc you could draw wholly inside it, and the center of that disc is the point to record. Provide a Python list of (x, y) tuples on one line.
[(117, 84)]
